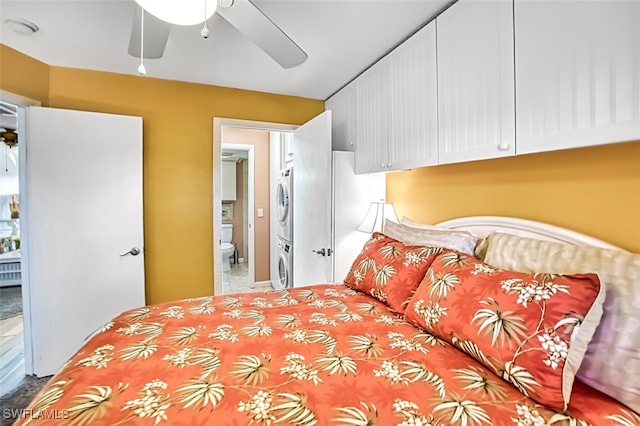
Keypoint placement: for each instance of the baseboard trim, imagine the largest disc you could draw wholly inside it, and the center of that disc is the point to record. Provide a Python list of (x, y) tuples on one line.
[(262, 284)]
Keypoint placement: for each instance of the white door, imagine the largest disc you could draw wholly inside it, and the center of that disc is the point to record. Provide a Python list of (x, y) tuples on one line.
[(84, 206), (344, 118), (476, 81), (372, 122), (413, 106), (577, 73), (312, 202)]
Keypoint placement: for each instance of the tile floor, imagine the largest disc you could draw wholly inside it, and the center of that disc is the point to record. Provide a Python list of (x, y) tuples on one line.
[(237, 280), (11, 353)]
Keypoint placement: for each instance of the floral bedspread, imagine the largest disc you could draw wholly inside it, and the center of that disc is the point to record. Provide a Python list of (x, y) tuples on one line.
[(321, 355)]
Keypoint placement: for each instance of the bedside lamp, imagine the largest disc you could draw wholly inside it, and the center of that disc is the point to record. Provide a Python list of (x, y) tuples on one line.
[(379, 211)]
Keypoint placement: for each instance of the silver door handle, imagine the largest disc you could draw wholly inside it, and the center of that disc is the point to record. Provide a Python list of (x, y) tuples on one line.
[(321, 252), (133, 252)]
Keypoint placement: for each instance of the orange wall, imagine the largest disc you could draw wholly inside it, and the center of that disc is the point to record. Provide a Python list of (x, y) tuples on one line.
[(178, 151), (178, 161), (260, 140), (23, 75), (594, 190)]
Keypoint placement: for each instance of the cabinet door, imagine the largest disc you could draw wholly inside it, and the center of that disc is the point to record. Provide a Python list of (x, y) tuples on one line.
[(578, 73), (228, 178), (344, 108), (476, 81), (371, 146), (413, 102)]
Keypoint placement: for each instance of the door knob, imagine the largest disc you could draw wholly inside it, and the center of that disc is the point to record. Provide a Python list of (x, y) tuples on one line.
[(133, 252), (321, 252)]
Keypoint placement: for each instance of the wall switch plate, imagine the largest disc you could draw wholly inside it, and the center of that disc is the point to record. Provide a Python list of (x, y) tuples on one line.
[(260, 212)]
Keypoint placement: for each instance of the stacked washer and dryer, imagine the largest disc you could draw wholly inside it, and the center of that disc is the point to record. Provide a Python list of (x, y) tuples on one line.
[(284, 208)]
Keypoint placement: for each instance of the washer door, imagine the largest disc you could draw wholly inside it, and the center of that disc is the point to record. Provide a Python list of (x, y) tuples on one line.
[(282, 201), (283, 271)]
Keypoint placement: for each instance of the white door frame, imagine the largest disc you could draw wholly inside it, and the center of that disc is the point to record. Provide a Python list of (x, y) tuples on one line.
[(251, 202), (22, 103), (218, 124)]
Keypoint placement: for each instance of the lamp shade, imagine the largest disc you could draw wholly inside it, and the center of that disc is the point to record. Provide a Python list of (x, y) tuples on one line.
[(180, 12), (379, 211)]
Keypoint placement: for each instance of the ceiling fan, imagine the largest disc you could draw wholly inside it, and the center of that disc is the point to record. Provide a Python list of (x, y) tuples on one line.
[(161, 15)]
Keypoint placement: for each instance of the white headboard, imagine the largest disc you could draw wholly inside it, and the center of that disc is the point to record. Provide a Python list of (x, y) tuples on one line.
[(482, 225)]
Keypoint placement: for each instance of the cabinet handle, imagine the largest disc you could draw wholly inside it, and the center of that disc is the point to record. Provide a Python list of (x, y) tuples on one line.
[(504, 147), (382, 166), (388, 165)]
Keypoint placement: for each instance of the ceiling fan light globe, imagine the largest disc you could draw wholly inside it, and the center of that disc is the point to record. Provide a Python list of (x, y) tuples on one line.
[(180, 12)]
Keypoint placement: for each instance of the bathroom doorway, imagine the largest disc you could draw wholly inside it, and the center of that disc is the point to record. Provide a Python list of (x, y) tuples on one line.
[(237, 167), (262, 249)]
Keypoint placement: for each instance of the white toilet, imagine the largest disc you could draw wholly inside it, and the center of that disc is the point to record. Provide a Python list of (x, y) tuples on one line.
[(227, 247)]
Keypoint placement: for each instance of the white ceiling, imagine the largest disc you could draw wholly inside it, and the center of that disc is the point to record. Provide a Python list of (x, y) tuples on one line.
[(341, 37)]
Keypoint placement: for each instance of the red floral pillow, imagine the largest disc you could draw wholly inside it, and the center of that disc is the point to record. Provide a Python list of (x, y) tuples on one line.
[(530, 329), (389, 270)]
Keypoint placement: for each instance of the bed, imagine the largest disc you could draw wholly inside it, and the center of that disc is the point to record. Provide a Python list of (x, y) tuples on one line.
[(335, 354)]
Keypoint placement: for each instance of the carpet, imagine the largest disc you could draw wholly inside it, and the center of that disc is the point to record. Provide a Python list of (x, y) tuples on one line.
[(20, 397), (10, 301)]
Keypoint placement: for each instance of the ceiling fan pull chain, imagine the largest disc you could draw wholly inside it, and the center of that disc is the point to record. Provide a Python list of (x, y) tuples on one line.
[(141, 69), (205, 33)]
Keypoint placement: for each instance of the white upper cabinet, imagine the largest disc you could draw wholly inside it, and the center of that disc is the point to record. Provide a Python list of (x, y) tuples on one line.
[(228, 180), (373, 111), (397, 108), (413, 102), (578, 73), (571, 78), (476, 81), (344, 118)]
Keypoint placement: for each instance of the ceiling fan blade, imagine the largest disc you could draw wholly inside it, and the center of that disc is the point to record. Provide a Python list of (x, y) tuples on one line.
[(156, 34), (255, 25)]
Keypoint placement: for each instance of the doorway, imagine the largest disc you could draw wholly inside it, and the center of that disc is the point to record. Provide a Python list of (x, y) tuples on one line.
[(12, 369), (238, 199), (15, 319), (261, 239)]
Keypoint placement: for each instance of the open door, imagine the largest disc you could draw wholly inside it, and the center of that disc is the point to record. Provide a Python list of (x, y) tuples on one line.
[(84, 226), (312, 202)]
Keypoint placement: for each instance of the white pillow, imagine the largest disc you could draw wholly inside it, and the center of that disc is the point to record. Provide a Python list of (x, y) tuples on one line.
[(612, 361), (461, 241), (479, 250)]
